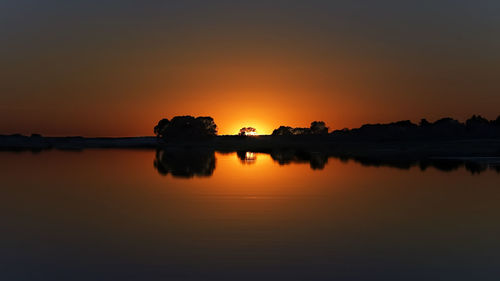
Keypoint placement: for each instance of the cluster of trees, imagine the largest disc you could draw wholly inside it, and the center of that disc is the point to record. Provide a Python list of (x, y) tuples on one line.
[(474, 127), (186, 127), (316, 128)]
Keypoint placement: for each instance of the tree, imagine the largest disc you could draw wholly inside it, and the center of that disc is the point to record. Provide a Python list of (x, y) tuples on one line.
[(316, 128), (496, 122), (283, 131), (162, 124), (480, 127), (424, 123), (476, 121), (247, 131), (319, 128), (186, 127), (301, 131)]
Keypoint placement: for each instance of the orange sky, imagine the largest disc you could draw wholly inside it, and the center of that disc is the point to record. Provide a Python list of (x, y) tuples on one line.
[(115, 71)]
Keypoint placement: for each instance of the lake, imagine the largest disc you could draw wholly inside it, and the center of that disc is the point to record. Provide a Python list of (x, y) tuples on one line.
[(200, 215)]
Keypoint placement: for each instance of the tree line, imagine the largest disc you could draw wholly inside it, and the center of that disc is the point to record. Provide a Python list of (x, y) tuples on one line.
[(189, 127), (444, 128), (316, 128)]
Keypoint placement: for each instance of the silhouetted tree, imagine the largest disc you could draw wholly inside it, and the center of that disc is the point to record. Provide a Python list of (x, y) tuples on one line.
[(424, 123), (186, 127), (392, 131), (448, 127), (247, 131), (479, 126), (318, 128), (476, 120), (208, 125), (162, 124), (301, 131), (283, 131)]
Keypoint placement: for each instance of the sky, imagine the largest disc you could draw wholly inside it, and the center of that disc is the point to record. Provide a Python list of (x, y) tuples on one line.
[(114, 68)]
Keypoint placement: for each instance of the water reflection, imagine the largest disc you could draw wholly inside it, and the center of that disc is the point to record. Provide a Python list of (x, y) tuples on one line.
[(245, 222), (473, 165), (185, 163), (190, 162), (316, 160), (247, 157)]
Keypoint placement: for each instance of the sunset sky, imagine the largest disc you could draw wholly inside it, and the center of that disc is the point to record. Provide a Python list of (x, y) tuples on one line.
[(114, 68)]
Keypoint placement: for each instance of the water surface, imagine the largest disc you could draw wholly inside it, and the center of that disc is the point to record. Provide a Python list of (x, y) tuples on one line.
[(147, 215)]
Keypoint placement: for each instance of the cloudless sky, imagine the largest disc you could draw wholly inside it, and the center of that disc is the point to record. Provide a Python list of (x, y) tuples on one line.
[(114, 68)]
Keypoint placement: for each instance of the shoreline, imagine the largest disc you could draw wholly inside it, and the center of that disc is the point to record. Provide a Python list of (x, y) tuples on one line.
[(444, 148), (38, 143)]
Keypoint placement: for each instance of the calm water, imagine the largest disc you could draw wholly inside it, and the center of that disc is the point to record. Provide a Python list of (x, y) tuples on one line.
[(146, 215)]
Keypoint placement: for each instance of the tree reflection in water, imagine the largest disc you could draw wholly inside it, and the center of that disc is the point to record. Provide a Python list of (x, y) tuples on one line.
[(472, 165), (317, 160), (247, 157), (185, 163), (191, 162)]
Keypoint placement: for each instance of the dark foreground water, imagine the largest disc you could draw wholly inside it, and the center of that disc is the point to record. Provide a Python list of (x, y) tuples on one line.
[(146, 215)]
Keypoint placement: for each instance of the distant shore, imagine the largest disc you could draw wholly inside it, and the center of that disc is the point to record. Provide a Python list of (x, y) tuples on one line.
[(37, 143), (327, 145)]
